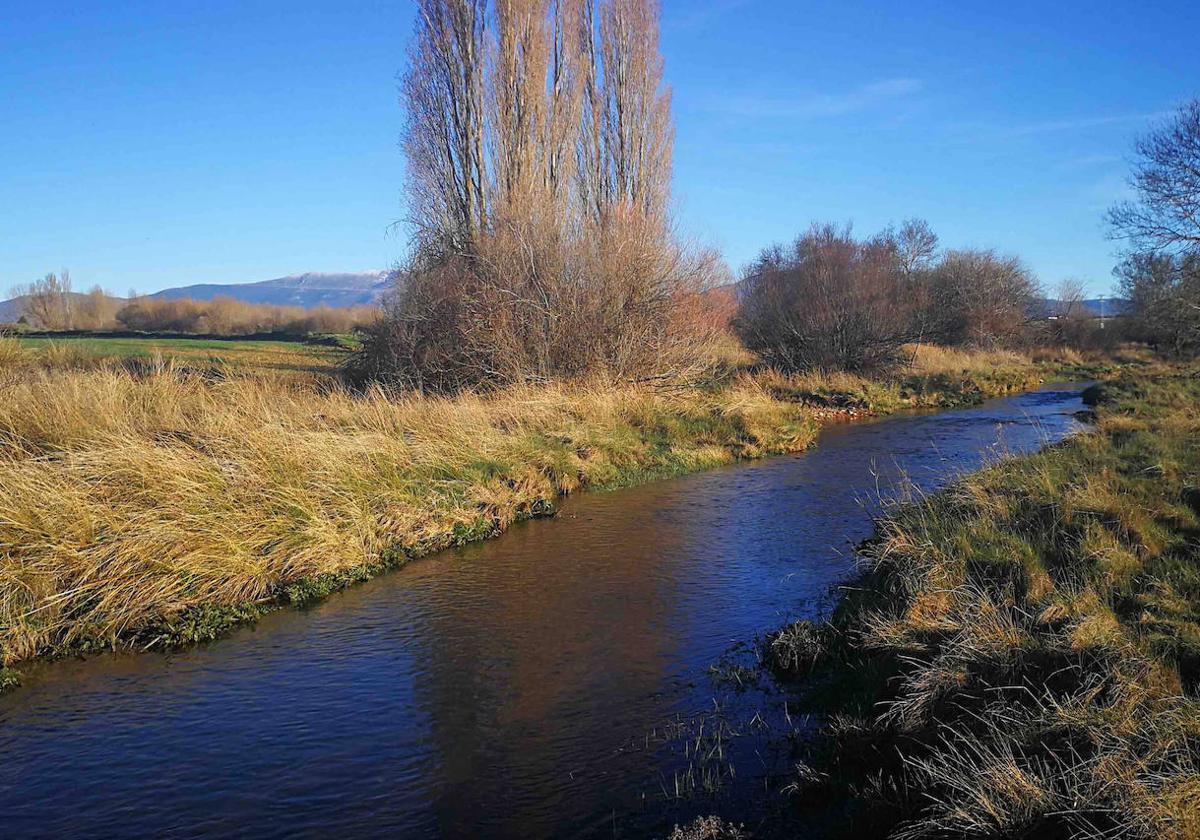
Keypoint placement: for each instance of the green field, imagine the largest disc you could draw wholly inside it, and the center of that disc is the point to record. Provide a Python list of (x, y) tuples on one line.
[(293, 356)]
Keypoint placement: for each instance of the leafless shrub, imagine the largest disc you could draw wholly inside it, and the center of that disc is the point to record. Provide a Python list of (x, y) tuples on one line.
[(829, 301), (980, 298), (96, 310), (1164, 299), (529, 308), (227, 316)]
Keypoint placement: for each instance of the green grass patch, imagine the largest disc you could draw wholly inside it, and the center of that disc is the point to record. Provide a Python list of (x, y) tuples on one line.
[(270, 355)]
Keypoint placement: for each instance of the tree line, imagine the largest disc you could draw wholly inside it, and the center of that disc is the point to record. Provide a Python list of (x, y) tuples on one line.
[(832, 301), (50, 304), (538, 138)]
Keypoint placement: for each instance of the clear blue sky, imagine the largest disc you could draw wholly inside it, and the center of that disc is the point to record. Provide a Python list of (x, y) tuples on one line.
[(152, 144)]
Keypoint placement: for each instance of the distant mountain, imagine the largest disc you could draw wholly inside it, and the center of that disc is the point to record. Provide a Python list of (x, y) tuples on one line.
[(10, 310), (307, 290)]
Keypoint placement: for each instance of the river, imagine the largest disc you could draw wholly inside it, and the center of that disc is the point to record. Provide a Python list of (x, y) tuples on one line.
[(540, 684)]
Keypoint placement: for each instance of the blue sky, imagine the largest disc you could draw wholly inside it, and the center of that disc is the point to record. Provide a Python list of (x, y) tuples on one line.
[(153, 144)]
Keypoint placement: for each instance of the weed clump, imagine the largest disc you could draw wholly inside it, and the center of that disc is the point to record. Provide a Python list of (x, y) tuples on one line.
[(709, 828)]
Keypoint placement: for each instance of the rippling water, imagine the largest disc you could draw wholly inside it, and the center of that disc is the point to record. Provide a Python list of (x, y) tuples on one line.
[(515, 688)]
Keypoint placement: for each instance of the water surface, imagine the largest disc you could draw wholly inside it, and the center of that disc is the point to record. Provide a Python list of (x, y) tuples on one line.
[(515, 688)]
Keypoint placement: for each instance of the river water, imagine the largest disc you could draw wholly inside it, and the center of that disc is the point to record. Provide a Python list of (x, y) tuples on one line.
[(542, 684)]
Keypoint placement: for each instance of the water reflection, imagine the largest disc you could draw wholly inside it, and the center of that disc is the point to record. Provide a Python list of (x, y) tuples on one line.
[(505, 690)]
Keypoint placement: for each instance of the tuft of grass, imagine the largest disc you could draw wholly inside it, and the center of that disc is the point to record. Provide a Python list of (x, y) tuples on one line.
[(709, 828)]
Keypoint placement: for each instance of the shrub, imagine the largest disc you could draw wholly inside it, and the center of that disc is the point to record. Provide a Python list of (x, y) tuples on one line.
[(622, 299), (829, 302), (227, 316), (980, 298)]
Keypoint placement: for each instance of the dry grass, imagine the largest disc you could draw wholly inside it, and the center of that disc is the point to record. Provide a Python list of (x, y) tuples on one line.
[(931, 360), (154, 500), (128, 498), (1033, 636)]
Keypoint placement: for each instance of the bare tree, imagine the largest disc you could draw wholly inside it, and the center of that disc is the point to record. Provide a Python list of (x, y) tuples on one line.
[(1069, 296), (96, 310), (47, 303), (638, 135), (916, 246), (539, 143), (1166, 178), (519, 98), (444, 132), (1164, 299)]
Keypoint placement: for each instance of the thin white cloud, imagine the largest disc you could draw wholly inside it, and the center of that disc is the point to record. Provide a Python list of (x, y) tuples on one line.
[(1078, 124), (817, 105), (1088, 162), (1104, 192)]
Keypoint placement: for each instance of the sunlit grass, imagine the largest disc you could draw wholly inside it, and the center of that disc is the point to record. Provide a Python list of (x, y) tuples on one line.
[(160, 499), (1032, 636), (294, 356)]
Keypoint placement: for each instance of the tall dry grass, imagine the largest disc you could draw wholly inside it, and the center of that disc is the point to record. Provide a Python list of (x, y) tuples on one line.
[(933, 359), (129, 498), (133, 496)]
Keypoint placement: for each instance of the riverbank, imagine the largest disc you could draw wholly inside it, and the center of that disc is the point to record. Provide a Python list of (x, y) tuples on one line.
[(153, 505), (1023, 655)]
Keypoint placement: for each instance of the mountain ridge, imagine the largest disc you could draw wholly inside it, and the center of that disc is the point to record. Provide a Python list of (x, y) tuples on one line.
[(309, 289)]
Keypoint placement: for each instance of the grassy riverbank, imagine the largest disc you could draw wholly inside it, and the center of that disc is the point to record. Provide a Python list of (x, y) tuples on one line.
[(1023, 658), (152, 505)]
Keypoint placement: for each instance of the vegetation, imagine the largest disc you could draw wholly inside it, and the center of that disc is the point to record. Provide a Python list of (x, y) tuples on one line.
[(538, 139), (1023, 657), (197, 354), (1166, 182), (1164, 295), (158, 504), (226, 316), (1161, 273), (49, 305), (832, 302)]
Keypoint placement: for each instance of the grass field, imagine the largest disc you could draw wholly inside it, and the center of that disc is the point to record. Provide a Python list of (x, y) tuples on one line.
[(1023, 659), (280, 356)]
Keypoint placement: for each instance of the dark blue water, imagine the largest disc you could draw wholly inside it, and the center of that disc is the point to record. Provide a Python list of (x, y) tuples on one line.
[(516, 688)]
